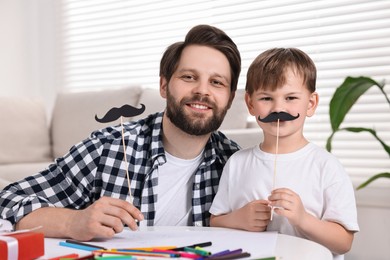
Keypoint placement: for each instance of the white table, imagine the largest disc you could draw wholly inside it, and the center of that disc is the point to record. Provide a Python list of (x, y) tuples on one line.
[(259, 244)]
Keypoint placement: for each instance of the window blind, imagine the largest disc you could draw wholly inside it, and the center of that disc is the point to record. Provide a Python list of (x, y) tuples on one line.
[(115, 43)]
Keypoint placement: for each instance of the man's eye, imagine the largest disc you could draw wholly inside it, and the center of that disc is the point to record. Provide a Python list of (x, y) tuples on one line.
[(217, 83), (187, 77)]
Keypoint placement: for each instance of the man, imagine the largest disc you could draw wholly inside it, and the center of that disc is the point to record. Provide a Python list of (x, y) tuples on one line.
[(175, 157)]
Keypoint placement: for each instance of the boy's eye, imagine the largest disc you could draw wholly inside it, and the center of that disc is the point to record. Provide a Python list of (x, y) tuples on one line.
[(291, 98), (265, 98)]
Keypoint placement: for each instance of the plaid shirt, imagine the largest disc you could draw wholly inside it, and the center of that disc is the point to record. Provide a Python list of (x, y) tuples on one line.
[(96, 168)]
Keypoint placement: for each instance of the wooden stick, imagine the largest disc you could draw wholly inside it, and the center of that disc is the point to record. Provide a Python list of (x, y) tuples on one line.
[(276, 155), (126, 164)]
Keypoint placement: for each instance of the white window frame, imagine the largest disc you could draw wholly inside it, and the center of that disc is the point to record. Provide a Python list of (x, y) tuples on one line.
[(115, 43)]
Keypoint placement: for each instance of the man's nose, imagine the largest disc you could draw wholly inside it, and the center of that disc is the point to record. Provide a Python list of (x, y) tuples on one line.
[(202, 87)]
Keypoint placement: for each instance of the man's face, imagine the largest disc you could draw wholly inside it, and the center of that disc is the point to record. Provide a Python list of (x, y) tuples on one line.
[(198, 93)]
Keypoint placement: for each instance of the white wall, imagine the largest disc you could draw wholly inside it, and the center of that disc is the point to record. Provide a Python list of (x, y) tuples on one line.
[(29, 51), (373, 240)]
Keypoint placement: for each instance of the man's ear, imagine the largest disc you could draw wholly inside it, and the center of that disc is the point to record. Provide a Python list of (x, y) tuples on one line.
[(248, 101), (313, 103), (163, 87)]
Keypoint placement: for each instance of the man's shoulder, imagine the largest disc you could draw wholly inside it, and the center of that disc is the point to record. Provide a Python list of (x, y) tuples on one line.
[(223, 144)]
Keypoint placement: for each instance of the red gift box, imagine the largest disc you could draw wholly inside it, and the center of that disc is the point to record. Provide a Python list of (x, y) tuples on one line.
[(28, 245)]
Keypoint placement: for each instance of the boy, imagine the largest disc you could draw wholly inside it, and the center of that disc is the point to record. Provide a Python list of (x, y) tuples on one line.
[(311, 194)]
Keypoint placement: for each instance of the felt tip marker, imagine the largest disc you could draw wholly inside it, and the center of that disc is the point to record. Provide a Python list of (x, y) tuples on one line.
[(196, 251), (83, 243), (69, 256), (77, 246), (204, 244)]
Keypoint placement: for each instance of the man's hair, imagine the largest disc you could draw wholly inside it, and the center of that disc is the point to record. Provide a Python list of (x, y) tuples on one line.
[(268, 70), (204, 35)]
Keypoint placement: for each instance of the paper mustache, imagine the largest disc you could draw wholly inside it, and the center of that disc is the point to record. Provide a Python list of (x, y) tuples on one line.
[(274, 116), (125, 111)]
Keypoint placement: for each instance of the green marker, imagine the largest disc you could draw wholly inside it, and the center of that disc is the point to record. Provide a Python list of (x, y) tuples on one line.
[(201, 252)]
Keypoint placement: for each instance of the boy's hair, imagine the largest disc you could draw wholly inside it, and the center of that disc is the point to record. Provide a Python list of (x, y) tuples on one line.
[(204, 35), (268, 70)]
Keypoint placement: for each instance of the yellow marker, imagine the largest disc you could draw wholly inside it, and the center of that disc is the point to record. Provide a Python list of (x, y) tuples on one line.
[(201, 249), (197, 251)]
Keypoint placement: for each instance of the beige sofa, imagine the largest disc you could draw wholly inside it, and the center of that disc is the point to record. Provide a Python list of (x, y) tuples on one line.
[(28, 143)]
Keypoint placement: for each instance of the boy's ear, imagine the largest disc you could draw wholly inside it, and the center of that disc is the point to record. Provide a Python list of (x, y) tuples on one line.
[(313, 103), (163, 87), (249, 104)]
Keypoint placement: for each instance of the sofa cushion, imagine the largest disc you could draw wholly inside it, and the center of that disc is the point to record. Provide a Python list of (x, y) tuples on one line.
[(10, 173), (24, 133), (153, 102), (74, 113)]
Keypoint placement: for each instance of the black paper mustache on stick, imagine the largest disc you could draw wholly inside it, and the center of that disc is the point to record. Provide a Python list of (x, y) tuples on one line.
[(125, 111), (274, 116)]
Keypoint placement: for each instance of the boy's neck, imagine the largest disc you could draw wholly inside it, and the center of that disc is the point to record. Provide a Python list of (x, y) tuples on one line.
[(286, 145)]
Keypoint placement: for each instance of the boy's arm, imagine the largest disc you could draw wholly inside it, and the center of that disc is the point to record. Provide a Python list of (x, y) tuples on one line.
[(254, 216), (330, 234)]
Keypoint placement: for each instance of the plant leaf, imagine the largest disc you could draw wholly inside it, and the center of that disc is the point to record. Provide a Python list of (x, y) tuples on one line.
[(329, 142), (345, 96), (373, 132), (376, 176)]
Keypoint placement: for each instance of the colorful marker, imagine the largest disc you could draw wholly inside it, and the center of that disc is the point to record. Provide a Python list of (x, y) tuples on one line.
[(70, 256), (77, 246)]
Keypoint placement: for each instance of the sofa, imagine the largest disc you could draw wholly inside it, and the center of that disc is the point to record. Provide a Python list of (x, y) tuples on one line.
[(31, 138)]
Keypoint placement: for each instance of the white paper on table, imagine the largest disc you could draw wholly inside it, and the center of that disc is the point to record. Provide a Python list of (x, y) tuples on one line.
[(258, 244)]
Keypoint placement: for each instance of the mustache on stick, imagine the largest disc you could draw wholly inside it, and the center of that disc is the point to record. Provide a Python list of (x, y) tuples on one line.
[(274, 116), (125, 111)]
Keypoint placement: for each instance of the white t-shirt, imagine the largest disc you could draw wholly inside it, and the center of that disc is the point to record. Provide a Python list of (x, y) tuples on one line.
[(313, 173), (174, 191)]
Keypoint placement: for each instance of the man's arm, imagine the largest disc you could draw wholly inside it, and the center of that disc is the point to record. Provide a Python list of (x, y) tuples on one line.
[(102, 219)]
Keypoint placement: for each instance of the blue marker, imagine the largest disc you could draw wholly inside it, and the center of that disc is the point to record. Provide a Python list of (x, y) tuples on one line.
[(78, 246)]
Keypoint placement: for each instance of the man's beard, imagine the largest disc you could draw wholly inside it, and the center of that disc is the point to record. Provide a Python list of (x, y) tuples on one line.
[(194, 124)]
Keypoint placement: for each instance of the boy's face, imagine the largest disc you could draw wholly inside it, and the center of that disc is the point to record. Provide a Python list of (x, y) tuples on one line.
[(198, 93), (293, 97)]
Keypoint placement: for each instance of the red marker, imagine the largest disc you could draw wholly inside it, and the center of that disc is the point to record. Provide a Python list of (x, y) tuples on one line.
[(70, 256)]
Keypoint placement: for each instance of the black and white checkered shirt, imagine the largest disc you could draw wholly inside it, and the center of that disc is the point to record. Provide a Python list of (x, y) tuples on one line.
[(96, 168)]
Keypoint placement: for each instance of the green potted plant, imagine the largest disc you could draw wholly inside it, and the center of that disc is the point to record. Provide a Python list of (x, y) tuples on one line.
[(342, 100)]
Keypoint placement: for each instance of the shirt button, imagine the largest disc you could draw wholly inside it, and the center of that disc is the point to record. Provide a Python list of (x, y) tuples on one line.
[(197, 186)]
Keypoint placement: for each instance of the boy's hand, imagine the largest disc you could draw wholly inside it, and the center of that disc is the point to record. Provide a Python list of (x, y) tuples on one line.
[(254, 216), (288, 204)]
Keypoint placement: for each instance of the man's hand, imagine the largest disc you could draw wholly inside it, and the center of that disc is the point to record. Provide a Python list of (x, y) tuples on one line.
[(103, 219)]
